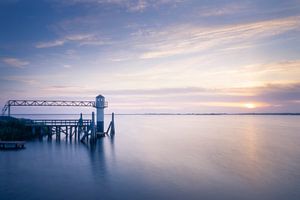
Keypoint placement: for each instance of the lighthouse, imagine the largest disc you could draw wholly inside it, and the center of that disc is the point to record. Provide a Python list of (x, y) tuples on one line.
[(100, 105)]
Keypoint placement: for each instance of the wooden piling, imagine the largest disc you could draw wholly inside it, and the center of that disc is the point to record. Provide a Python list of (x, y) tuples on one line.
[(112, 124), (71, 132), (66, 132)]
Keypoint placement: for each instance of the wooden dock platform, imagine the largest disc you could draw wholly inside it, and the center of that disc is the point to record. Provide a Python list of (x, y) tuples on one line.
[(12, 144)]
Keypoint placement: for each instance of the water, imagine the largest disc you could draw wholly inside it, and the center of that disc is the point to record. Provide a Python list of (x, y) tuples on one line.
[(164, 157)]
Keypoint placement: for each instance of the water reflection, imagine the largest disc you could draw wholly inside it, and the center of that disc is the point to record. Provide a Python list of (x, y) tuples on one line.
[(163, 157), (251, 157)]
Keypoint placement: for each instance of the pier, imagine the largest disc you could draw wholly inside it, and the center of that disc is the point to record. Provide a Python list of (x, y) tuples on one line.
[(80, 129), (12, 144), (67, 127)]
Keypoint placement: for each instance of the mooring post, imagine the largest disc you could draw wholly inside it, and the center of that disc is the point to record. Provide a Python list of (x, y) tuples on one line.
[(80, 128), (93, 132), (112, 123), (100, 105)]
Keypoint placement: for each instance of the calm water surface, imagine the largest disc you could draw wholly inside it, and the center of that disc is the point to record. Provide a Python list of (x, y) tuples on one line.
[(163, 157)]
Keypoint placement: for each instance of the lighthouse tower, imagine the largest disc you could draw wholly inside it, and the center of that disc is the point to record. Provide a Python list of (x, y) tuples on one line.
[(100, 105)]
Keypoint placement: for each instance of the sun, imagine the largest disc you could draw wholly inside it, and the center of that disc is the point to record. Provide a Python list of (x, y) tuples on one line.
[(249, 105)]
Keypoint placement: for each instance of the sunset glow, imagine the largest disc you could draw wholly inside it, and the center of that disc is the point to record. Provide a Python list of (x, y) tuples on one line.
[(250, 105), (153, 55)]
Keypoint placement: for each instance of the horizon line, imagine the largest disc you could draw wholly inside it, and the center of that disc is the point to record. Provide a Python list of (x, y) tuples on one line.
[(248, 113)]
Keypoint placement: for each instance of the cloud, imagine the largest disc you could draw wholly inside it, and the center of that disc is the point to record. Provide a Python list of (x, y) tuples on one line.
[(15, 62), (159, 91), (279, 92), (67, 66), (129, 5), (223, 10), (54, 43), (138, 6), (67, 90), (184, 39), (278, 67), (270, 98), (267, 98), (81, 39), (285, 71), (269, 92), (22, 79)]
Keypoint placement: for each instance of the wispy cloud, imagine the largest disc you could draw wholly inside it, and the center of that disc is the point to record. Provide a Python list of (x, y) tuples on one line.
[(193, 99), (53, 43), (67, 66), (138, 6), (286, 71), (15, 62), (68, 90), (185, 39), (80, 39), (130, 5), (222, 10), (278, 67), (21, 79), (275, 97), (65, 88), (267, 92)]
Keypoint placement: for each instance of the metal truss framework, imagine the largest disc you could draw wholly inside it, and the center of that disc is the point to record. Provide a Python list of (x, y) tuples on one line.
[(47, 103)]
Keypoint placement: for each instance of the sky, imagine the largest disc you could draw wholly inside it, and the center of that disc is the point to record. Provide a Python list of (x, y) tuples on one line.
[(153, 56)]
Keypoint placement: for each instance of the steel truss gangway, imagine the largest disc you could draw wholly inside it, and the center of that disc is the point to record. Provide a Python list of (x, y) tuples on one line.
[(11, 103)]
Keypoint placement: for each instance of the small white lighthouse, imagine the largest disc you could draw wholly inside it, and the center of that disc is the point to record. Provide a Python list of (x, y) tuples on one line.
[(100, 105)]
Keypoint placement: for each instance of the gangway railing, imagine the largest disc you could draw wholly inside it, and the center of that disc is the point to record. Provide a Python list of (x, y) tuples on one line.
[(57, 122)]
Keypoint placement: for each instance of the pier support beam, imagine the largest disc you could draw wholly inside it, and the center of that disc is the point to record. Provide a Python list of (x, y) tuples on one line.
[(33, 130), (49, 132), (71, 132), (8, 110), (80, 126), (41, 132), (67, 133), (75, 132), (58, 130)]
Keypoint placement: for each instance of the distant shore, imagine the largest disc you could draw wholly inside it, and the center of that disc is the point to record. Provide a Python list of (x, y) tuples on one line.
[(284, 113), (209, 114)]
